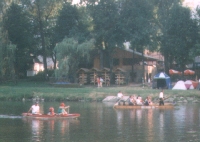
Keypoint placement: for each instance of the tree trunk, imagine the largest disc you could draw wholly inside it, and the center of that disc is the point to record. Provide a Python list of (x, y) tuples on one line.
[(111, 66), (101, 59), (54, 59), (132, 67), (143, 69), (166, 62), (43, 41)]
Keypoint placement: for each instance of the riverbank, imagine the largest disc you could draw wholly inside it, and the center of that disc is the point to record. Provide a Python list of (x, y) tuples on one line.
[(28, 91)]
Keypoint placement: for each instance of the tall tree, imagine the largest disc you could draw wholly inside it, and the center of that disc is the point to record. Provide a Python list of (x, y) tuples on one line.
[(18, 26), (194, 52), (44, 14), (138, 25), (177, 32), (105, 17), (162, 8), (72, 22), (182, 33), (7, 58)]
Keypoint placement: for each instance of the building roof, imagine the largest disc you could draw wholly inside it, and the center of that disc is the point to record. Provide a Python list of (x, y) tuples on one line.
[(147, 57), (95, 69), (83, 70)]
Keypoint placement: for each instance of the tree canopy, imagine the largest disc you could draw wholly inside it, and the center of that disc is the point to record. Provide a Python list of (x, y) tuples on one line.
[(60, 30)]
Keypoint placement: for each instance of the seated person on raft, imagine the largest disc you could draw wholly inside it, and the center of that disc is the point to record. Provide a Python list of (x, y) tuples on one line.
[(35, 109), (61, 109), (138, 101), (147, 101), (51, 111), (131, 100)]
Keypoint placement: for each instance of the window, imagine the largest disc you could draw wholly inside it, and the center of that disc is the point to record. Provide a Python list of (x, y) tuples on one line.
[(127, 61), (115, 62)]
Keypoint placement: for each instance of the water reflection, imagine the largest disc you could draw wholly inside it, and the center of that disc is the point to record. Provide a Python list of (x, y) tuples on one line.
[(143, 122), (51, 127), (99, 122)]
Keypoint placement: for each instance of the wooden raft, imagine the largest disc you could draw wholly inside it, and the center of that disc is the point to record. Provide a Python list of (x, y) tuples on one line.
[(167, 106)]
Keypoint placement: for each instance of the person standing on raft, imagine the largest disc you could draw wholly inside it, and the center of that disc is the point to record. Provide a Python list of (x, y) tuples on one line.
[(161, 97)]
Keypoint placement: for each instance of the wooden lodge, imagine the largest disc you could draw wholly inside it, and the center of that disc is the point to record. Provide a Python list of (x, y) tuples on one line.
[(83, 75), (120, 76), (105, 74), (123, 58), (94, 73)]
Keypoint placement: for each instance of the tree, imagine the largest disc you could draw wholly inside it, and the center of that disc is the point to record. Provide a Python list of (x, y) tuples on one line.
[(138, 25), (105, 18), (19, 29), (71, 22), (162, 8), (7, 58), (69, 54), (44, 14), (183, 33)]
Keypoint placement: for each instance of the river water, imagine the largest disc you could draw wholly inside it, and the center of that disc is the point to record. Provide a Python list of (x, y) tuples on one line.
[(99, 122)]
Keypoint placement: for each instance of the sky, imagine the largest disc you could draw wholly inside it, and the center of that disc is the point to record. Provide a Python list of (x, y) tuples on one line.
[(76, 1), (192, 3)]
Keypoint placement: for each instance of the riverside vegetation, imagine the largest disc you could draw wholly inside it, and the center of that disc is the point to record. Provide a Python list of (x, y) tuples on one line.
[(41, 91)]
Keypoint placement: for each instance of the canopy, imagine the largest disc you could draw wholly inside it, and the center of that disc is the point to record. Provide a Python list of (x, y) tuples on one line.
[(161, 75), (189, 72), (188, 84), (163, 80), (180, 85), (172, 72)]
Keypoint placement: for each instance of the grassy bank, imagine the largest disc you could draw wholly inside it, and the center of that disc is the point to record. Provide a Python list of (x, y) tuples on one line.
[(30, 90)]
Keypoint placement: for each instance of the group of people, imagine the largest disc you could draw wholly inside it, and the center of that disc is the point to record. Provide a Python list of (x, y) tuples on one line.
[(35, 109), (100, 81), (137, 100)]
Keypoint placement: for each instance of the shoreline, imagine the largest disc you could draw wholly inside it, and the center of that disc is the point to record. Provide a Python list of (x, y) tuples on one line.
[(31, 91)]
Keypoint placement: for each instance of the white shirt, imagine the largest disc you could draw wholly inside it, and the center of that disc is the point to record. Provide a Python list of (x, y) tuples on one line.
[(119, 95), (138, 102), (35, 109), (161, 95)]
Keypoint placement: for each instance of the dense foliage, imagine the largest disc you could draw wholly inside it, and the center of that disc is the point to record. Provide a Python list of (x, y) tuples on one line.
[(65, 32)]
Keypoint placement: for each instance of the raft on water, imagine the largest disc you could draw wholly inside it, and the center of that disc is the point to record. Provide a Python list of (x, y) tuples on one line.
[(167, 106), (45, 116)]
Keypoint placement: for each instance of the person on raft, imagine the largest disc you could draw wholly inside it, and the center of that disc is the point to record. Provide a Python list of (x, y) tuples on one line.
[(61, 109), (51, 111), (35, 108), (161, 97)]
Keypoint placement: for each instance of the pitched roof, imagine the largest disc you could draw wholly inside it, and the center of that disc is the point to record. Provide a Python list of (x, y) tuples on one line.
[(145, 56)]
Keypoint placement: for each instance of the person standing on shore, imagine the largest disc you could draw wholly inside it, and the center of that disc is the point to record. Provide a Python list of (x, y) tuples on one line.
[(161, 97), (101, 82), (98, 81)]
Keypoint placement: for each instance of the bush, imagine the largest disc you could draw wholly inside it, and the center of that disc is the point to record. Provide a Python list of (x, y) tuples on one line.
[(39, 77)]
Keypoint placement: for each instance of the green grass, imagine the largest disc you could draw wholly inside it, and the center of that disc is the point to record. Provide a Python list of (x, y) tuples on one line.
[(29, 90)]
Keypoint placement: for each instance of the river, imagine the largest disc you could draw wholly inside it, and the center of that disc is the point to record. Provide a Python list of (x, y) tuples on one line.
[(99, 122)]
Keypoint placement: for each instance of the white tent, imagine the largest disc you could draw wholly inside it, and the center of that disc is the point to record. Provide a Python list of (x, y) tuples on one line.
[(180, 85), (188, 84)]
